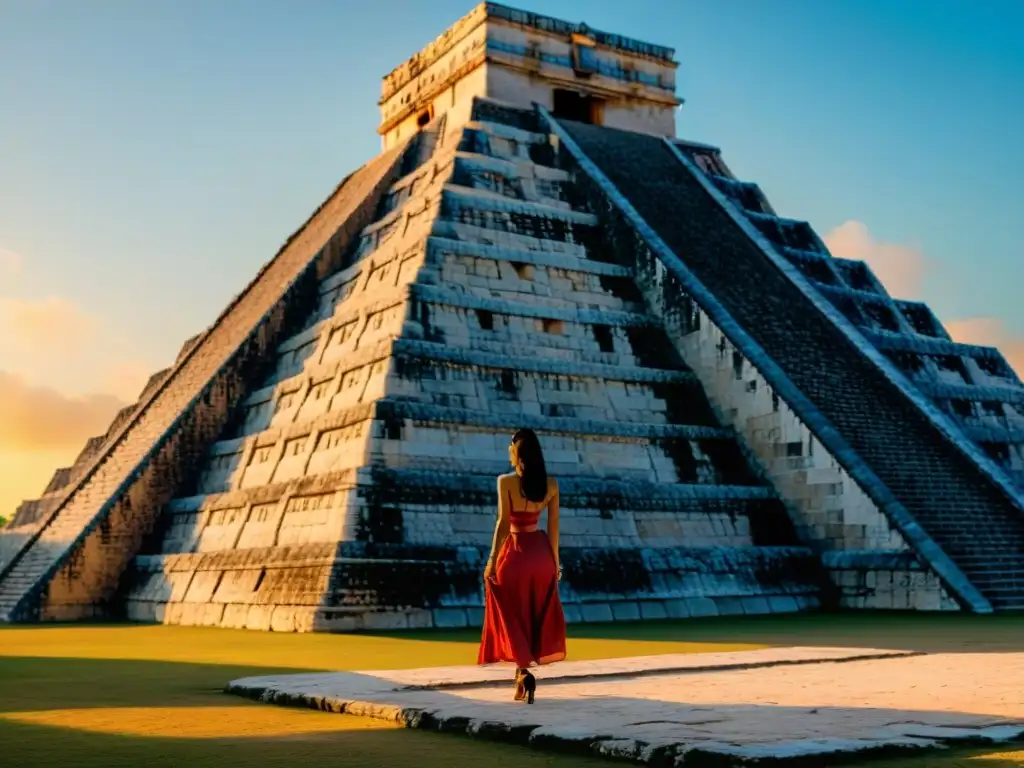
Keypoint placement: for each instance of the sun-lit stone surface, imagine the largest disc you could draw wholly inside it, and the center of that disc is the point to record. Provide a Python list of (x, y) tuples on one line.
[(664, 710)]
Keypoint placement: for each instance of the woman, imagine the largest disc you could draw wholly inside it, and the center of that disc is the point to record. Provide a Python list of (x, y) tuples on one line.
[(523, 621)]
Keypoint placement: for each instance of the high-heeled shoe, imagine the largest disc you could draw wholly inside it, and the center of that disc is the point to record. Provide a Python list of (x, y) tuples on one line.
[(520, 693), (529, 686)]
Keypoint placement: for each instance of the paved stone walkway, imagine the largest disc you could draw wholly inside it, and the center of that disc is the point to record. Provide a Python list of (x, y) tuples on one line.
[(694, 709)]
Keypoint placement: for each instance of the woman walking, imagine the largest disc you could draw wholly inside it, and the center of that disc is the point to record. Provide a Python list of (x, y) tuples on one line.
[(523, 620)]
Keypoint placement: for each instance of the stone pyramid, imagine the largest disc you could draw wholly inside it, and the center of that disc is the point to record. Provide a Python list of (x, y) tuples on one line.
[(740, 423)]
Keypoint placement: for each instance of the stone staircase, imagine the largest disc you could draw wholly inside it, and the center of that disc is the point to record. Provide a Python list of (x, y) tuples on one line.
[(354, 487), (961, 515)]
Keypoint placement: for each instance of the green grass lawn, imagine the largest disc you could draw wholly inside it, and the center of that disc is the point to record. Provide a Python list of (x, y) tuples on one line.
[(138, 695)]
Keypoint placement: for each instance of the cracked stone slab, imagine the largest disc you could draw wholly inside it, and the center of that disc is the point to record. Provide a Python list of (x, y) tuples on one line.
[(778, 706)]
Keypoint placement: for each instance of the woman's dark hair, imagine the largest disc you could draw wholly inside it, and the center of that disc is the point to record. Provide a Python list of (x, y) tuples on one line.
[(534, 482)]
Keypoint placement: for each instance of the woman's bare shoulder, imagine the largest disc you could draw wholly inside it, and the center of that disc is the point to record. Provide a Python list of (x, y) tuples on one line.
[(506, 479), (552, 486)]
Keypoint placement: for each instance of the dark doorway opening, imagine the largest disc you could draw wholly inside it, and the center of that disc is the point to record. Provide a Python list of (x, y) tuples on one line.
[(572, 105)]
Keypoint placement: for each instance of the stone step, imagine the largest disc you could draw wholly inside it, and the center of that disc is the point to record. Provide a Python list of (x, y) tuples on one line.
[(592, 575), (525, 328), (406, 433), (440, 246), (1003, 541), (783, 231), (457, 201), (551, 396), (419, 515), (1005, 594), (1006, 541), (1000, 576), (1009, 604), (981, 567), (1013, 435), (985, 557), (447, 375), (398, 409), (584, 490), (500, 185), (518, 130), (480, 233), (542, 287), (535, 283), (482, 163), (523, 364), (498, 120), (503, 216), (1013, 395), (420, 436), (747, 195), (535, 307), (402, 409), (395, 485)]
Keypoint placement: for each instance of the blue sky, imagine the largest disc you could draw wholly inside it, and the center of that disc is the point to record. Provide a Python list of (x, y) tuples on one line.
[(154, 154)]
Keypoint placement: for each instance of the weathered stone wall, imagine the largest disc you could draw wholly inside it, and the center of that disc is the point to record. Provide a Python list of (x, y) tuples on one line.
[(886, 580), (319, 587)]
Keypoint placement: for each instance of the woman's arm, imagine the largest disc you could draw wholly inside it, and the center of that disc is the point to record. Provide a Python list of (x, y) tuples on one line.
[(553, 511), (501, 529)]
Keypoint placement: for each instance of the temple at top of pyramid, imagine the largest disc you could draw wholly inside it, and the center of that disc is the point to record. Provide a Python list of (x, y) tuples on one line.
[(522, 58), (739, 422)]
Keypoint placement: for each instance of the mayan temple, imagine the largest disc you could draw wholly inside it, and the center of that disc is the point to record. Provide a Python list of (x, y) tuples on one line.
[(741, 423)]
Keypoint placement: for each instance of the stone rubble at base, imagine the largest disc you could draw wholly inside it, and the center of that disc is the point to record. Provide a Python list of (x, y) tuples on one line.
[(695, 709)]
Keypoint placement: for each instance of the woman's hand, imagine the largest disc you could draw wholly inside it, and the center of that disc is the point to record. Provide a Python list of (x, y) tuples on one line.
[(558, 567), (490, 571)]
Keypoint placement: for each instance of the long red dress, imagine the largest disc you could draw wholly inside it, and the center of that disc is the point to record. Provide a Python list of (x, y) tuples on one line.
[(523, 618)]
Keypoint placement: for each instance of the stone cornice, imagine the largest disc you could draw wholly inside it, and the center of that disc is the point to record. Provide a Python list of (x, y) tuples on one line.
[(598, 85), (548, 25), (427, 95), (409, 70)]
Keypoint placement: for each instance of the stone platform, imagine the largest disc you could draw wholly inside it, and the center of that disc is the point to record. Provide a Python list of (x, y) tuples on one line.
[(775, 706)]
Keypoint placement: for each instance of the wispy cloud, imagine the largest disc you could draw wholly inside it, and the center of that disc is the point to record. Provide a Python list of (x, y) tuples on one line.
[(126, 379), (54, 341), (34, 418), (53, 323), (901, 268), (67, 373), (40, 431)]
